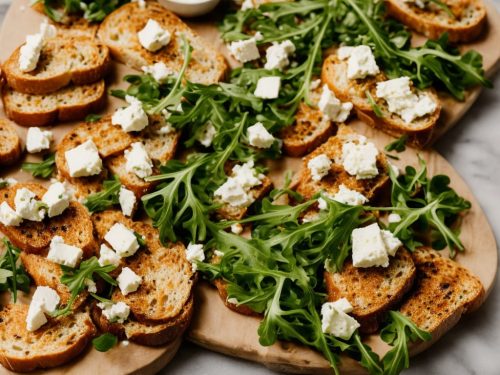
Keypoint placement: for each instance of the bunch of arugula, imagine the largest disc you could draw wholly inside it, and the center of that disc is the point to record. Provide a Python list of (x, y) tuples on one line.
[(13, 277), (44, 169), (105, 198), (91, 10)]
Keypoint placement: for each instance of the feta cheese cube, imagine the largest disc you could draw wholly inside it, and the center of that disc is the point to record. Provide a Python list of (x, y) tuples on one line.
[(259, 137), (153, 37), (277, 55), (64, 254), (336, 322), (115, 312), (8, 216), (35, 317), (361, 62), (29, 53), (56, 198), (368, 247), (84, 160), (244, 50), (122, 240), (402, 101), (138, 161), (360, 159), (159, 71), (45, 300), (332, 108), (207, 134), (128, 281), (132, 118), (319, 167), (314, 84), (342, 305), (91, 285), (27, 206), (108, 256), (394, 218), (350, 197), (236, 228), (127, 201), (195, 253), (391, 242), (268, 87), (247, 4), (38, 140)]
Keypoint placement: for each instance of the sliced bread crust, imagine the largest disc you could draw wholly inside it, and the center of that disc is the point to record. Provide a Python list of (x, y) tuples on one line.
[(10, 143)]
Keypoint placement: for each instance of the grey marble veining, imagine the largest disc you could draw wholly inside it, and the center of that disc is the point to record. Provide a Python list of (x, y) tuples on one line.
[(473, 148)]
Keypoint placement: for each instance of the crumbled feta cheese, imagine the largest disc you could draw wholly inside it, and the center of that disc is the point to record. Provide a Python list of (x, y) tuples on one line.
[(141, 3), (132, 118), (38, 140), (128, 281), (244, 50), (360, 159), (127, 201), (125, 343), (64, 254), (237, 228), (138, 161), (319, 167), (218, 253), (277, 55), (394, 169), (258, 36), (206, 134), (402, 101), (258, 136), (159, 71), (35, 317), (315, 84), (56, 198), (333, 108), (247, 4), (195, 253), (48, 297), (394, 218), (372, 246), (8, 216), (233, 301), (361, 62), (91, 285), (346, 196), (27, 206), (153, 37), (115, 312), (108, 256), (335, 321), (84, 160), (268, 87), (236, 190), (122, 240), (7, 181), (29, 53)]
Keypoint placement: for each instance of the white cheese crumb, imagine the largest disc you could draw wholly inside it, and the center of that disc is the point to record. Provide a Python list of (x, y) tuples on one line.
[(372, 246), (8, 216), (115, 312), (122, 240), (45, 300), (335, 321), (56, 198), (268, 87), (319, 167), (237, 228), (259, 137), (84, 160), (108, 256), (244, 50), (360, 159), (38, 140), (361, 62), (132, 118), (195, 253), (128, 281), (153, 37), (346, 196), (64, 254), (277, 55), (27, 206), (159, 71), (394, 218), (127, 201), (333, 108), (138, 161), (207, 134)]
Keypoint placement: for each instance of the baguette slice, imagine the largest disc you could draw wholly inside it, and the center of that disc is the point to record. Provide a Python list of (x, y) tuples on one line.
[(167, 276), (143, 333), (370, 188), (10, 143), (372, 291), (432, 21), (310, 129), (119, 32), (71, 103), (73, 225), (443, 292), (419, 132), (47, 273), (63, 60), (55, 343)]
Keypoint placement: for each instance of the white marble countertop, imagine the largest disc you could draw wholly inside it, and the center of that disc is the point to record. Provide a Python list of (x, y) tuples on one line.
[(473, 148)]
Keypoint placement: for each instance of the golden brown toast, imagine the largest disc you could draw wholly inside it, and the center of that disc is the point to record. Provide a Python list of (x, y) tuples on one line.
[(10, 143)]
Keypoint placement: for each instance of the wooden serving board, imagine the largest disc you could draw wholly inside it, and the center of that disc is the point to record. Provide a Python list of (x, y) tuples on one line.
[(216, 327)]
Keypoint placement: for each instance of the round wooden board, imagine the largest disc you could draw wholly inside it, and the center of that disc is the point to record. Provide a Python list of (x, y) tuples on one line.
[(216, 327)]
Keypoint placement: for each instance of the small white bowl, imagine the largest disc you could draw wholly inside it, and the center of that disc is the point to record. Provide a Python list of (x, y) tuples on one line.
[(190, 8)]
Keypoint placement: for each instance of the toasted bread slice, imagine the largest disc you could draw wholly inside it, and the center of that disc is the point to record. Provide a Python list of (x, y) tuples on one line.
[(310, 129), (10, 143), (55, 343), (443, 292), (47, 273), (62, 61), (372, 291), (119, 32), (467, 23), (167, 276), (221, 286), (370, 188), (419, 132), (70, 103), (143, 333), (117, 166), (73, 225)]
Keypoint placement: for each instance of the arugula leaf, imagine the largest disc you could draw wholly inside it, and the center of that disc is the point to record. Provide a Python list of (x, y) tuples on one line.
[(398, 333), (75, 278), (374, 105), (140, 239), (91, 10), (104, 342), (444, 7), (93, 118), (106, 198), (43, 169), (399, 145), (12, 276)]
